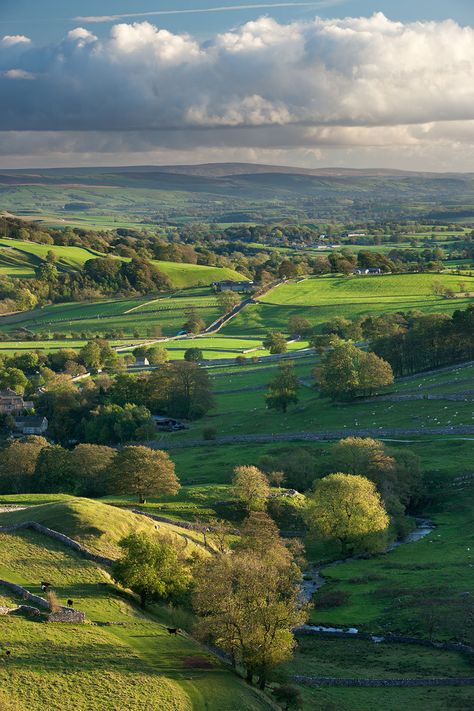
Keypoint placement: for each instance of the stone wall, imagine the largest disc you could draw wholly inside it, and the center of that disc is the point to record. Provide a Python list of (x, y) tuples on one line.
[(65, 540), (187, 525), (63, 614), (336, 681), (67, 615)]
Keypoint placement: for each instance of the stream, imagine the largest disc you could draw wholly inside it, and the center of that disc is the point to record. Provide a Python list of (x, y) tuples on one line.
[(313, 580)]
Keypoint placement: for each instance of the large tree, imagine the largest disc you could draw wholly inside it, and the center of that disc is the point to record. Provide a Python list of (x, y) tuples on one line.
[(248, 604), (347, 371), (18, 463), (180, 389), (251, 487), (348, 509), (154, 570), (282, 390), (90, 462), (140, 471)]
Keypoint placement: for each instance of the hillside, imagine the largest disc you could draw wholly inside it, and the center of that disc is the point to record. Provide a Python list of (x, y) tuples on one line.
[(99, 527), (124, 658), (111, 197), (20, 258)]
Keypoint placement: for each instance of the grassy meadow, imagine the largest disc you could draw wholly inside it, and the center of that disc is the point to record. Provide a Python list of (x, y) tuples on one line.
[(138, 663), (20, 258), (320, 299)]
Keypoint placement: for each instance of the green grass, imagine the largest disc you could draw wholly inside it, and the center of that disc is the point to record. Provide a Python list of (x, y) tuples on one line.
[(320, 299), (359, 659), (96, 525), (132, 664), (20, 258)]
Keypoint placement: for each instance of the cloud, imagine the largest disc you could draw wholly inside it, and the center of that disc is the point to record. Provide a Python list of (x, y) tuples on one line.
[(197, 11), (18, 74), (12, 40), (354, 83)]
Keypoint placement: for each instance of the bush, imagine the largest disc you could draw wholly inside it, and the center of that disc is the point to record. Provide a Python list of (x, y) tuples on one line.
[(209, 433), (332, 598)]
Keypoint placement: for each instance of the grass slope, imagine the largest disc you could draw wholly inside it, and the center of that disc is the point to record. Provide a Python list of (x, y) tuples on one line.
[(322, 298), (97, 526), (131, 662), (20, 258)]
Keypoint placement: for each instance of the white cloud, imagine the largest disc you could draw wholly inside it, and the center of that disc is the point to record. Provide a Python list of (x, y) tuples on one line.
[(361, 83), (12, 40), (81, 36), (18, 74)]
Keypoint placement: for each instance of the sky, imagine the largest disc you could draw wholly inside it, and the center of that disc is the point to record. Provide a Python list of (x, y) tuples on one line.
[(356, 83)]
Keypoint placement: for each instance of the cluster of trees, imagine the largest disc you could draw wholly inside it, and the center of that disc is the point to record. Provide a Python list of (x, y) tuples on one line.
[(246, 599), (34, 465), (118, 410), (346, 372), (395, 472), (26, 372), (428, 341)]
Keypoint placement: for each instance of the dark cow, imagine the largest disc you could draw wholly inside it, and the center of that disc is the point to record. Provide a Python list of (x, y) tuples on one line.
[(70, 603), (172, 630)]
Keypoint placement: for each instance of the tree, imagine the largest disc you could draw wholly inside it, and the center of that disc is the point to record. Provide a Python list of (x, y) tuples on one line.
[(227, 301), (251, 487), (248, 604), (348, 509), (346, 371), (54, 472), (18, 463), (154, 570), (374, 374), (282, 390), (13, 378), (90, 354), (157, 355), (299, 326), (194, 323), (90, 461), (140, 471), (193, 355), (275, 342)]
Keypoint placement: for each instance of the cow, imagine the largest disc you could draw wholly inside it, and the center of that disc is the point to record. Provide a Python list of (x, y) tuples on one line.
[(70, 603), (172, 630)]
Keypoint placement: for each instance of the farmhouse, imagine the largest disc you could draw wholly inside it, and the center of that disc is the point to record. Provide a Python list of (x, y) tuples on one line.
[(31, 425), (239, 286), (367, 271), (13, 404)]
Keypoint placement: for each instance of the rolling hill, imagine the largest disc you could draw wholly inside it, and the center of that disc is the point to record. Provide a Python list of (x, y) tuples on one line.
[(232, 192), (20, 258)]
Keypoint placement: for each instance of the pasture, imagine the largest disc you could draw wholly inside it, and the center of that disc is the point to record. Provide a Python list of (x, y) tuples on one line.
[(124, 657), (20, 258), (320, 299), (360, 659)]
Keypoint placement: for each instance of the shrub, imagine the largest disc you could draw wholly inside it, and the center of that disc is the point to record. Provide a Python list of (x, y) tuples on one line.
[(332, 598), (209, 433)]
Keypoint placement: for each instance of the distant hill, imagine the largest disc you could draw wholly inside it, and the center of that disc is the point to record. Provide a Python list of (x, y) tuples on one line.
[(233, 192)]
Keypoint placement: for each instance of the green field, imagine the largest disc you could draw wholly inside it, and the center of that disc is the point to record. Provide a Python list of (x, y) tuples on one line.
[(320, 299), (20, 258), (123, 658), (360, 659)]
